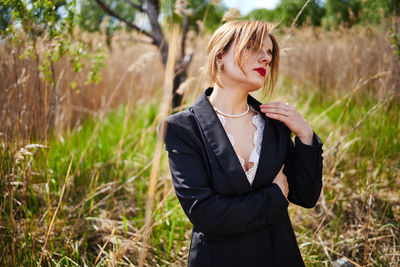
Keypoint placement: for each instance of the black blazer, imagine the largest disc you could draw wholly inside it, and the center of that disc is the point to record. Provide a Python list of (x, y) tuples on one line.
[(236, 223)]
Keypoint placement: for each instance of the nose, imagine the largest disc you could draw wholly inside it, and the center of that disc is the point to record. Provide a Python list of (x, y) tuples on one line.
[(265, 58)]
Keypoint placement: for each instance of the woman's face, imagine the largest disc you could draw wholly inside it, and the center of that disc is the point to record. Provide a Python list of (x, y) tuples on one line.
[(256, 68)]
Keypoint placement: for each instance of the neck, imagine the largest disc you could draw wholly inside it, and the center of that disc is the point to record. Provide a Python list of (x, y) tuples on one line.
[(229, 100)]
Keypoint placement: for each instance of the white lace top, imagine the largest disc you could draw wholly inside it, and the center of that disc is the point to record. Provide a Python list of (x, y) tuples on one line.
[(257, 140)]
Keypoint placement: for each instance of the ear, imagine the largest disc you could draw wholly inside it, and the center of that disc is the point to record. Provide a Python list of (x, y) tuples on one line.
[(220, 56)]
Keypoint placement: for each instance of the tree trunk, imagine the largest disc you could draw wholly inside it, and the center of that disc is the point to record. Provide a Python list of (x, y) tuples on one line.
[(178, 80), (152, 10)]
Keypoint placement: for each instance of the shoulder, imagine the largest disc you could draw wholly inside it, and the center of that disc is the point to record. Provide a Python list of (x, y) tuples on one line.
[(182, 123), (184, 119), (179, 129)]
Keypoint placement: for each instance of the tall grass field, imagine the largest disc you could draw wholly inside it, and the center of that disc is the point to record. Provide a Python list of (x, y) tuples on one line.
[(84, 179)]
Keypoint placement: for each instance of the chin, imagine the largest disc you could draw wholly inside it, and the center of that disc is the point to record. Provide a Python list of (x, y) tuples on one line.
[(255, 87), (256, 84), (251, 90)]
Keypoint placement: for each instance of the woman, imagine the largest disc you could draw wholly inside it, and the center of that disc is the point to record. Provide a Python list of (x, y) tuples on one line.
[(233, 163)]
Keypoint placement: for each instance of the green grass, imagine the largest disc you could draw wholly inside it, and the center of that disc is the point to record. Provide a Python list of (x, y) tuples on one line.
[(81, 225), (100, 157), (364, 166)]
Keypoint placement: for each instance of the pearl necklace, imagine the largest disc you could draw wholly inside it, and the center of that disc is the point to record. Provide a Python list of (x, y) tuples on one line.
[(231, 115)]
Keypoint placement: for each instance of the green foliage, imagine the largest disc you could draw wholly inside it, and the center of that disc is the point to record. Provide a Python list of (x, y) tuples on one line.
[(38, 17), (330, 13), (91, 16), (395, 44), (5, 16), (342, 11), (350, 12), (287, 11), (264, 14), (373, 11), (312, 13), (198, 11), (98, 62), (32, 19), (212, 13)]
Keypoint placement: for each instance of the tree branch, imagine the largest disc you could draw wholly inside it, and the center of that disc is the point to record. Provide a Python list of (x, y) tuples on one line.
[(185, 26), (108, 10), (153, 10), (187, 60), (137, 6)]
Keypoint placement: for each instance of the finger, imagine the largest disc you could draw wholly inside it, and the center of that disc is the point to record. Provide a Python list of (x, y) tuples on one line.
[(276, 110), (291, 110), (276, 116), (275, 104), (280, 105)]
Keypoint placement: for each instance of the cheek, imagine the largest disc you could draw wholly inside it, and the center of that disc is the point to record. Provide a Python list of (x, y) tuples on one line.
[(235, 70)]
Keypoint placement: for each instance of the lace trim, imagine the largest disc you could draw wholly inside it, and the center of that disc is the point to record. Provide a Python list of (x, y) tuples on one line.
[(257, 140)]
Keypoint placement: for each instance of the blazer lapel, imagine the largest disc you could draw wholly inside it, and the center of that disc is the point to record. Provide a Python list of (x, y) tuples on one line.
[(220, 144), (267, 162), (224, 151)]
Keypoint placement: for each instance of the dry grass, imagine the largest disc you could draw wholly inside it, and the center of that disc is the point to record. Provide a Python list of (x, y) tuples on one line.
[(336, 61), (356, 73), (346, 82), (30, 107)]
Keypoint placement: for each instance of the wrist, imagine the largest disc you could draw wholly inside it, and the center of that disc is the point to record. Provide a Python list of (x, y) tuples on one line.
[(306, 136)]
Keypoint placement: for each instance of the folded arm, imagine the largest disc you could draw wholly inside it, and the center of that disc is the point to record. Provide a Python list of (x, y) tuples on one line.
[(212, 213), (303, 168)]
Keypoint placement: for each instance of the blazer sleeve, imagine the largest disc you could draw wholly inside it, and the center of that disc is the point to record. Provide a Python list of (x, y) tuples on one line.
[(212, 213), (303, 169)]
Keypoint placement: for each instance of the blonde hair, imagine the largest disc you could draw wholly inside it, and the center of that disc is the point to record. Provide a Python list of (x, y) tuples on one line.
[(247, 36)]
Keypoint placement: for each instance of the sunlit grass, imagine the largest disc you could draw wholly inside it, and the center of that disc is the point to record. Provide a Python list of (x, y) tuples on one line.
[(91, 206), (102, 213)]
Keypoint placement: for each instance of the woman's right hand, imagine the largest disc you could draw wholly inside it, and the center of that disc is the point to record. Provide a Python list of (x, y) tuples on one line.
[(281, 181)]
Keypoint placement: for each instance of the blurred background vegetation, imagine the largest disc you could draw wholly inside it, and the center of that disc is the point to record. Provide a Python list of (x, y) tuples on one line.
[(84, 85)]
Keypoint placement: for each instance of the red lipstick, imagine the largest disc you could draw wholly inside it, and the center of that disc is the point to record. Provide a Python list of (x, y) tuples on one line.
[(262, 71)]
